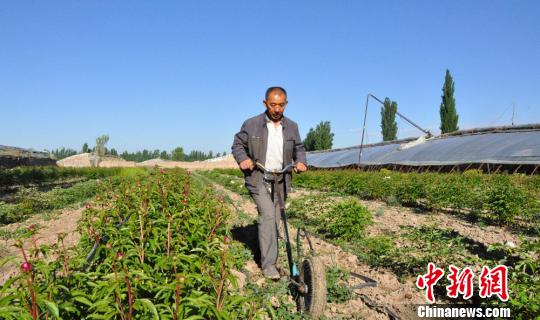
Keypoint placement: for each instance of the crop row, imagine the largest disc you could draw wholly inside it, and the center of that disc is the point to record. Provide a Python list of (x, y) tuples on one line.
[(162, 253), (36, 175), (407, 252), (29, 201), (501, 199)]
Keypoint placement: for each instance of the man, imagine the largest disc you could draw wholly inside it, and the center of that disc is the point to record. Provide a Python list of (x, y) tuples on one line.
[(274, 141)]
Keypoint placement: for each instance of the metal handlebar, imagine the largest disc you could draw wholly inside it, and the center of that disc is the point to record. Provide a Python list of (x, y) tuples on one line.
[(276, 172)]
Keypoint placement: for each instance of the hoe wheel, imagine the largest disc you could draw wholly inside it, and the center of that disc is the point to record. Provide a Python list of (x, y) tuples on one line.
[(314, 300)]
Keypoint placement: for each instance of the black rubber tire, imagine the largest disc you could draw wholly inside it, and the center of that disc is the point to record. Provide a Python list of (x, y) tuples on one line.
[(312, 273)]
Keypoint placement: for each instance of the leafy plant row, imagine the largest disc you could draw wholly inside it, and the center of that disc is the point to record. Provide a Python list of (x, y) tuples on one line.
[(408, 251), (496, 198), (231, 182), (29, 201), (36, 175), (169, 260)]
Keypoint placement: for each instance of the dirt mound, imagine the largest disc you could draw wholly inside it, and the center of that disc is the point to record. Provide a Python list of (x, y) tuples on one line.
[(221, 162), (152, 162), (115, 162), (78, 160), (86, 160)]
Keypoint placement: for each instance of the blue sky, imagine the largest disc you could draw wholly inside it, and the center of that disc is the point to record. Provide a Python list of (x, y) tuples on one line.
[(161, 74)]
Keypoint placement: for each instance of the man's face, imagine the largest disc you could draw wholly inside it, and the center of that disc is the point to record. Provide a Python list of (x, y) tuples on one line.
[(275, 105)]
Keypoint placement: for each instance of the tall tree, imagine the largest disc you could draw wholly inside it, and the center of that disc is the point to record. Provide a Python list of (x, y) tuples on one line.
[(85, 148), (164, 155), (388, 120), (178, 154), (449, 116), (320, 138), (62, 153), (101, 142)]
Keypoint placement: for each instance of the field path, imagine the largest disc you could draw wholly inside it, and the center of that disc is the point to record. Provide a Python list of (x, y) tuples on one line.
[(369, 302)]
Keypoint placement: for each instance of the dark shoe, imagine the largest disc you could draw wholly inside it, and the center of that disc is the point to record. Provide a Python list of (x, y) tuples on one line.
[(271, 273)]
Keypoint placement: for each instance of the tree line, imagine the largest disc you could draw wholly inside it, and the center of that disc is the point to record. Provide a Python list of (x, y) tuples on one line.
[(101, 150), (177, 154)]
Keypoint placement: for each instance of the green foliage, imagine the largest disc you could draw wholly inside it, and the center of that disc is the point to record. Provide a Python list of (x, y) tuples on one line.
[(336, 283), (233, 183), (62, 153), (241, 253), (505, 202), (310, 208), (24, 176), (346, 220), (523, 278), (320, 138), (178, 154), (170, 260), (230, 172), (30, 201), (377, 251), (495, 198), (431, 244), (388, 120), (84, 148), (448, 113), (101, 142)]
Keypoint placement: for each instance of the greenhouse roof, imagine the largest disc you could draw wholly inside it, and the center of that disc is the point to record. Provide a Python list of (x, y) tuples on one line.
[(497, 145)]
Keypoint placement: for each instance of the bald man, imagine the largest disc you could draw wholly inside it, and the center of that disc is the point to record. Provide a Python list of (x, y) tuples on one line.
[(274, 141)]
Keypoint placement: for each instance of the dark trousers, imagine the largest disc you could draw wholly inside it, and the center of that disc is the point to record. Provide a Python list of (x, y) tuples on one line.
[(269, 220)]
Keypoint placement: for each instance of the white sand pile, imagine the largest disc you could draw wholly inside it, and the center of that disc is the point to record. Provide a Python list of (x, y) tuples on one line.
[(85, 160), (76, 161), (116, 162), (152, 162)]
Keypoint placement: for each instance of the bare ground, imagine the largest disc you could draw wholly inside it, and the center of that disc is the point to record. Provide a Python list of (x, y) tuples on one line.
[(65, 221)]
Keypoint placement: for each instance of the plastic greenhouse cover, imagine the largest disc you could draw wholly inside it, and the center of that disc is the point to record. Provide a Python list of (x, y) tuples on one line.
[(518, 147)]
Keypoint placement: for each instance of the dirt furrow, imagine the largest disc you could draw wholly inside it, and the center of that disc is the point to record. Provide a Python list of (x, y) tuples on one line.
[(47, 234), (389, 291), (388, 219)]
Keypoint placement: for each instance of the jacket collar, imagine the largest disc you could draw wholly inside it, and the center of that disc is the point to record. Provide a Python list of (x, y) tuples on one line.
[(265, 119)]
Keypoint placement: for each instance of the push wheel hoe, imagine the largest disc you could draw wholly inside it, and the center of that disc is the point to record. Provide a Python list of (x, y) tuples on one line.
[(308, 278)]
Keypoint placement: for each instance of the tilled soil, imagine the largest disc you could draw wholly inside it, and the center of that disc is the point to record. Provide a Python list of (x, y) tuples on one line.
[(370, 302), (389, 219), (65, 222)]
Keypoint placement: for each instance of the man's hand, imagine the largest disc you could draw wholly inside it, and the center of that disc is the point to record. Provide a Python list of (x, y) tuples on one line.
[(247, 165), (300, 167)]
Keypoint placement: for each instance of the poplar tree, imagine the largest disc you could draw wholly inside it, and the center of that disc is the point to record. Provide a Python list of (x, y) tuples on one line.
[(320, 138), (388, 120), (449, 116)]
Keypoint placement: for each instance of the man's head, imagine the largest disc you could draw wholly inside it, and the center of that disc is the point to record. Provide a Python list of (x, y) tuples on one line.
[(275, 102)]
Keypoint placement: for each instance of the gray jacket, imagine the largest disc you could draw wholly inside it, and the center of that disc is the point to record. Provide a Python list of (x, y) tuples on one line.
[(251, 142)]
